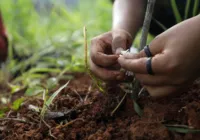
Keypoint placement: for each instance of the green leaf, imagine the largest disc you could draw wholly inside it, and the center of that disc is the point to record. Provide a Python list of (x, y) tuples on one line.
[(33, 91), (14, 88), (3, 111), (187, 8), (51, 98), (184, 130), (52, 83), (16, 104), (196, 7), (137, 109), (176, 11), (160, 24)]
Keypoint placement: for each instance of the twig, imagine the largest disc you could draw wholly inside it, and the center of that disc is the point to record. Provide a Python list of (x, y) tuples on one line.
[(15, 119), (49, 127), (119, 104), (85, 47), (8, 113), (80, 98), (141, 91), (147, 22), (69, 123), (45, 123), (50, 134), (143, 40), (88, 93)]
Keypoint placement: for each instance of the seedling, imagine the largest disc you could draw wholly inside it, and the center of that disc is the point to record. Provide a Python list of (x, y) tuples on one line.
[(49, 101), (98, 82)]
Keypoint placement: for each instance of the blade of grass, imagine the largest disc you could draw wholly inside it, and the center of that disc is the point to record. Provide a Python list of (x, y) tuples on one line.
[(160, 24), (182, 129), (118, 104), (137, 109), (176, 11), (94, 79), (85, 47), (187, 8), (48, 102), (195, 8)]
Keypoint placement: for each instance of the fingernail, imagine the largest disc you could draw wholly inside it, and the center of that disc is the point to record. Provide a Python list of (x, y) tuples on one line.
[(118, 50)]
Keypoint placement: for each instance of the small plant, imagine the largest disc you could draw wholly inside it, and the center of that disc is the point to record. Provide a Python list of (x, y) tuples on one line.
[(98, 82), (48, 102)]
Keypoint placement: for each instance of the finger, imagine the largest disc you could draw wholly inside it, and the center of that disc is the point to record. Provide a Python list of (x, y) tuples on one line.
[(150, 80), (162, 91), (104, 60), (134, 65), (105, 74), (101, 50), (155, 47), (122, 40), (158, 64)]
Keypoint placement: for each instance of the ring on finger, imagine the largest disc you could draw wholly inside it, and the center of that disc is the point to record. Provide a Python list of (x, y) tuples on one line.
[(149, 66), (147, 51)]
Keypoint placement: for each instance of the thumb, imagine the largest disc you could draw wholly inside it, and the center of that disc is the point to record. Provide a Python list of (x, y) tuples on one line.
[(122, 40)]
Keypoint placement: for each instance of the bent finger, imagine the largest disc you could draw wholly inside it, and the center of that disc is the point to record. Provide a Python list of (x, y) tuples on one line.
[(121, 40), (104, 60), (155, 47), (106, 74), (158, 64), (162, 91), (153, 80)]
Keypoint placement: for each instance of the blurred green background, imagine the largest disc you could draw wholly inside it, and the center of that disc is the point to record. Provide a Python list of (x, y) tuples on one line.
[(49, 34), (45, 41)]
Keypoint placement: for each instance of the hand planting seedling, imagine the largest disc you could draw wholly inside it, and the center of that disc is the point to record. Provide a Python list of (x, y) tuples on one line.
[(38, 102)]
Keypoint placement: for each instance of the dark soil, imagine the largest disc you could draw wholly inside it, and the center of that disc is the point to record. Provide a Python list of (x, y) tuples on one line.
[(87, 116)]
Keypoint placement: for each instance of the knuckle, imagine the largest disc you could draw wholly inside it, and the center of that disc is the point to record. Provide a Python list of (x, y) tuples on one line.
[(91, 65), (93, 41), (93, 57), (171, 66)]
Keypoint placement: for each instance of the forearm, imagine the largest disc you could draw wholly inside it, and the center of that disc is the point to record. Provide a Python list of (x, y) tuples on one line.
[(128, 15)]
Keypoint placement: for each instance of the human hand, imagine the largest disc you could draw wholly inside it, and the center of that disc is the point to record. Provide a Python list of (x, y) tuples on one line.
[(174, 61), (105, 50)]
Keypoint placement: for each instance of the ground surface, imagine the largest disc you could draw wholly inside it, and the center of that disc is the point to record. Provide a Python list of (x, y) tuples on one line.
[(87, 116)]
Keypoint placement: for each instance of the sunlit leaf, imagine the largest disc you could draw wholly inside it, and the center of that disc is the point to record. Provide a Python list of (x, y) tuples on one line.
[(33, 91), (48, 102), (52, 83), (14, 88), (17, 103)]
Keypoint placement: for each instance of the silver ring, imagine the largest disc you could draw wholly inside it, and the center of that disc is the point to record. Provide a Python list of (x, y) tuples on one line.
[(149, 66), (147, 51)]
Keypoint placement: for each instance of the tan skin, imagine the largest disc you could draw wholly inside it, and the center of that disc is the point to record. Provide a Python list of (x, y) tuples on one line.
[(176, 53)]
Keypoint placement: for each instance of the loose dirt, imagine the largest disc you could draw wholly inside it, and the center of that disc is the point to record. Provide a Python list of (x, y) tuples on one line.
[(81, 112)]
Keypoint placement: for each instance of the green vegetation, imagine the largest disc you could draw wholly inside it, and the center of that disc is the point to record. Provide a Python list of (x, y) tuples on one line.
[(44, 45)]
